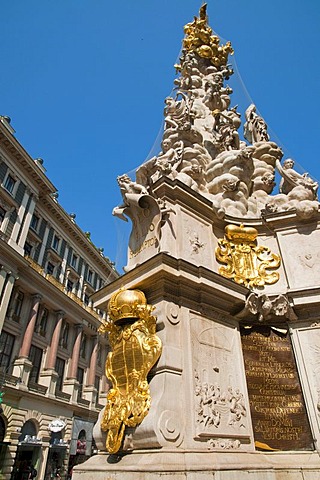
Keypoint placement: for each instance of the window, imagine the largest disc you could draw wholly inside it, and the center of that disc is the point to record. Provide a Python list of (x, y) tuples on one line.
[(83, 346), (16, 305), (59, 368), (86, 299), (64, 335), (99, 356), (50, 268), (35, 357), (90, 276), (42, 320), (6, 346), (9, 183), (35, 222), (97, 387), (55, 242), (28, 249), (69, 285), (80, 377), (2, 214), (74, 261)]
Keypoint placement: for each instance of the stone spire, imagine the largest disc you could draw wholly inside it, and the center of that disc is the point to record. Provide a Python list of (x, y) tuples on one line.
[(201, 145)]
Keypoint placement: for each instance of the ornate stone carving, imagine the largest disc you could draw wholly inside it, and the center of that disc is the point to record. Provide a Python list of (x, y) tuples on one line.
[(223, 444), (169, 425), (201, 145), (266, 308), (172, 313), (212, 404)]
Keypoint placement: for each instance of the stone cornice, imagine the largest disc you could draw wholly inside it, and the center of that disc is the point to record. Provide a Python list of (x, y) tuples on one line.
[(165, 276), (11, 145)]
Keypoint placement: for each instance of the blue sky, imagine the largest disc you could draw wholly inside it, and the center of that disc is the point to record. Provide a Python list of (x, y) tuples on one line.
[(84, 82)]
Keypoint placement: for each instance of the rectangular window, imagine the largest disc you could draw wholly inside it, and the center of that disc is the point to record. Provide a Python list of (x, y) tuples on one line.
[(16, 305), (74, 261), (42, 320), (97, 387), (55, 242), (9, 183), (6, 346), (80, 378), (90, 276), (35, 357), (86, 299), (70, 285), (28, 249), (64, 335), (50, 268), (60, 368), (35, 222), (2, 214), (83, 346), (99, 356)]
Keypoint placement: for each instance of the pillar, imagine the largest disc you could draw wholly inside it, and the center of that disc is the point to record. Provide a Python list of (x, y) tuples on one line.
[(7, 280), (52, 355), (76, 352), (93, 361), (27, 339)]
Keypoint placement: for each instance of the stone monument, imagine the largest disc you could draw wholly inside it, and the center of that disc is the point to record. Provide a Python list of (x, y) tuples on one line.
[(214, 328)]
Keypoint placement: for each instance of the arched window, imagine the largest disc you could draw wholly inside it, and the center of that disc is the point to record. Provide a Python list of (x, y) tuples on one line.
[(81, 443), (28, 431)]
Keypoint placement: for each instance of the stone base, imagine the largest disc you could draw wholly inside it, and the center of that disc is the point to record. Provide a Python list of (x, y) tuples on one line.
[(173, 465)]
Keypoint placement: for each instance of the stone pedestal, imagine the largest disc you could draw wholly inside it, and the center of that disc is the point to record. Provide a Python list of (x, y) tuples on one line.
[(175, 465)]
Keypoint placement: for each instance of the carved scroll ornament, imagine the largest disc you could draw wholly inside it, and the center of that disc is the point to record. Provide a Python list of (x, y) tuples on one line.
[(135, 349), (246, 262)]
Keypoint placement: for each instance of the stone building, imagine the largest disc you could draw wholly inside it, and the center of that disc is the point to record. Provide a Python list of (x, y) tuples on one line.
[(51, 360), (231, 266)]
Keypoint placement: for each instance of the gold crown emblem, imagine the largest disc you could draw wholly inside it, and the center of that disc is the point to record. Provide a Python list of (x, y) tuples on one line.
[(235, 233), (126, 304)]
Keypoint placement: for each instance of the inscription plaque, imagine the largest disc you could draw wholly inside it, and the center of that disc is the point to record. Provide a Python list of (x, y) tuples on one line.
[(277, 407)]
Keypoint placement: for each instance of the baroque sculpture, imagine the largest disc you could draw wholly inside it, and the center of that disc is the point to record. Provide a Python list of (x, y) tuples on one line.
[(233, 270), (203, 148)]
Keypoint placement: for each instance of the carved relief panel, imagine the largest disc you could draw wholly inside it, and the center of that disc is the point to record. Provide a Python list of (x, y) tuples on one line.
[(196, 246), (301, 257), (221, 411)]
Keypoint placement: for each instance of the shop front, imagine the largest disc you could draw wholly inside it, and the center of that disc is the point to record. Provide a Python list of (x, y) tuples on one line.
[(81, 443), (28, 457), (58, 451)]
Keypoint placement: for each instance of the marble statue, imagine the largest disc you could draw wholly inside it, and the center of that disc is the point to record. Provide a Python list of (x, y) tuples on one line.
[(202, 147)]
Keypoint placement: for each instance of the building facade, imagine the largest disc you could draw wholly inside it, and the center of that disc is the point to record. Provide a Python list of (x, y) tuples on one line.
[(52, 380)]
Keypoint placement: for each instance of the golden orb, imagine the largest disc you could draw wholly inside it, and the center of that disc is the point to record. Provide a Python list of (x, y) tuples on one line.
[(126, 304)]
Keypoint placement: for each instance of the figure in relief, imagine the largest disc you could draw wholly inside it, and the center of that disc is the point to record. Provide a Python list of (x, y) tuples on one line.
[(214, 407), (177, 112), (291, 179), (237, 406), (127, 189), (255, 128)]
